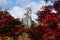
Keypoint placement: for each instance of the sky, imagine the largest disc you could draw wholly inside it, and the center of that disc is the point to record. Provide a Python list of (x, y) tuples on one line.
[(17, 8)]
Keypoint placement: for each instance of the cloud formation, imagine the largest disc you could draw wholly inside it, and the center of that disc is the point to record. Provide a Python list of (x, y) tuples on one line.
[(23, 2), (3, 3), (20, 11), (17, 12)]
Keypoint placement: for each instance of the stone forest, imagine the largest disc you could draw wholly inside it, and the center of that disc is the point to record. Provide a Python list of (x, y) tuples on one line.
[(48, 27)]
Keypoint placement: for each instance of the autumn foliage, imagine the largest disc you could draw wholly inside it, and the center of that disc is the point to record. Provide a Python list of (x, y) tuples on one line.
[(48, 27), (9, 26)]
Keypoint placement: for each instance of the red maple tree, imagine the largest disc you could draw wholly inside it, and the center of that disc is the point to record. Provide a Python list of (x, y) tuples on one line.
[(48, 27), (9, 26)]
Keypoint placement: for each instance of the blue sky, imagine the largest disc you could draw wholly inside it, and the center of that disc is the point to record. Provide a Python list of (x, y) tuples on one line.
[(17, 8), (12, 3)]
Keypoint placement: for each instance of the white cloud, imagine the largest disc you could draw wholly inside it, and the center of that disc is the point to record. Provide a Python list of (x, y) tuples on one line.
[(17, 12), (23, 2), (35, 6), (34, 17), (3, 3)]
